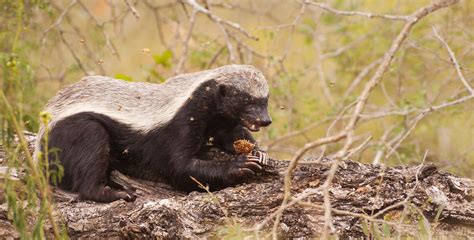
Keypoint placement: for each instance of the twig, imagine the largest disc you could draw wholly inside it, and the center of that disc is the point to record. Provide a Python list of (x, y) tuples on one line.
[(455, 61), (228, 43), (297, 132), (422, 114), (382, 142), (360, 77), (159, 21), (109, 43), (182, 59), (215, 57), (89, 51), (249, 48), (319, 69), (407, 132), (345, 48), (292, 30), (76, 58), (132, 9), (357, 13), (219, 20), (358, 148), (58, 21), (348, 213)]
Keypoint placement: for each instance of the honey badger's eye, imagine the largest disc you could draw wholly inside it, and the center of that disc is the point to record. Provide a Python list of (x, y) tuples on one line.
[(247, 101)]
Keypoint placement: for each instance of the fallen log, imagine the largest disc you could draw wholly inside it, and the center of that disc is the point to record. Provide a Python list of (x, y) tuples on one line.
[(358, 189)]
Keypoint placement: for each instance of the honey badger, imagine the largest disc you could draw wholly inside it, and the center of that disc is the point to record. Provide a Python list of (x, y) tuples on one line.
[(100, 124)]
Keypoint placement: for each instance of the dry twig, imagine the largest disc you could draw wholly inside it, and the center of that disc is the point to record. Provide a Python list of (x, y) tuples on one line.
[(132, 9), (184, 54), (455, 62), (357, 13)]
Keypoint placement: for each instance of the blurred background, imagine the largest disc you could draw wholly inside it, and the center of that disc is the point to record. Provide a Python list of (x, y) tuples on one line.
[(316, 63)]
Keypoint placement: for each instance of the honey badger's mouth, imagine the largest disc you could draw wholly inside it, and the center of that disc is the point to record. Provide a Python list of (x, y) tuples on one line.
[(254, 127)]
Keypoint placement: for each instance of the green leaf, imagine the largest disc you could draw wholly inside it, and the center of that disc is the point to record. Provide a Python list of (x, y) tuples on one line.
[(365, 228), (163, 59), (424, 227), (438, 213), (124, 77), (386, 230), (376, 231)]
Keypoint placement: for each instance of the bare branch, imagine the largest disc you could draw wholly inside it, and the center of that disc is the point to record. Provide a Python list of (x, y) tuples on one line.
[(345, 48), (100, 26), (455, 61), (228, 43), (132, 9), (357, 13), (71, 50), (59, 20), (184, 54), (219, 20), (422, 114)]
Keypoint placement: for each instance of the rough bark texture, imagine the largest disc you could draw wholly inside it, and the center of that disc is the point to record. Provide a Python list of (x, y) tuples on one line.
[(161, 212)]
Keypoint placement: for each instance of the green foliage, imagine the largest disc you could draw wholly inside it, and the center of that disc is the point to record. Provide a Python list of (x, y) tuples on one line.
[(124, 77), (26, 186), (233, 230), (27, 194), (164, 59)]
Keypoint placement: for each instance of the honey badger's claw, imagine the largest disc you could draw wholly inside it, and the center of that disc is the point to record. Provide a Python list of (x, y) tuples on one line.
[(245, 171), (261, 155), (253, 158), (246, 166)]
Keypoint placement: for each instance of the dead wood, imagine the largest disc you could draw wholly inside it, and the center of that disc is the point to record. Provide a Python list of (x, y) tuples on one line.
[(162, 212)]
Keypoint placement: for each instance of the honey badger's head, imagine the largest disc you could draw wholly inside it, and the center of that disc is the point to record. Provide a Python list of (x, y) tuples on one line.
[(243, 97)]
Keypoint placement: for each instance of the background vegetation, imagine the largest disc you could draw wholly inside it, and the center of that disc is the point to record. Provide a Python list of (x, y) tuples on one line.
[(316, 62), (310, 57)]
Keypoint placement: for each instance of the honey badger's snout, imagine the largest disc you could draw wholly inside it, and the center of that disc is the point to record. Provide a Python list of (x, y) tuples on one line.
[(256, 117), (264, 119)]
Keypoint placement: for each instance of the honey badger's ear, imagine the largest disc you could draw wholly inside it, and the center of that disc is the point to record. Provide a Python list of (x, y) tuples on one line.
[(222, 89)]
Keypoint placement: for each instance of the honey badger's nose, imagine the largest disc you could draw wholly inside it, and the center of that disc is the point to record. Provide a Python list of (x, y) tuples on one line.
[(265, 121)]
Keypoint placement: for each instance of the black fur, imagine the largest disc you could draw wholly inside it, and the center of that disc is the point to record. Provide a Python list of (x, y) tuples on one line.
[(91, 145)]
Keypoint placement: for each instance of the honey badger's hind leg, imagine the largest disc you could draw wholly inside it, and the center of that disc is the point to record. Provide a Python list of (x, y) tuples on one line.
[(83, 146)]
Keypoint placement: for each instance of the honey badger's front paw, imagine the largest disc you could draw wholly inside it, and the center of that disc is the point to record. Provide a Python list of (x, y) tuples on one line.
[(244, 167)]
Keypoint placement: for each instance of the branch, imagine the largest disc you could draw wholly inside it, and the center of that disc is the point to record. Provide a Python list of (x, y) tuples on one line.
[(71, 50), (100, 26), (132, 9), (357, 13), (182, 59), (218, 20), (455, 62), (424, 113), (58, 21)]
